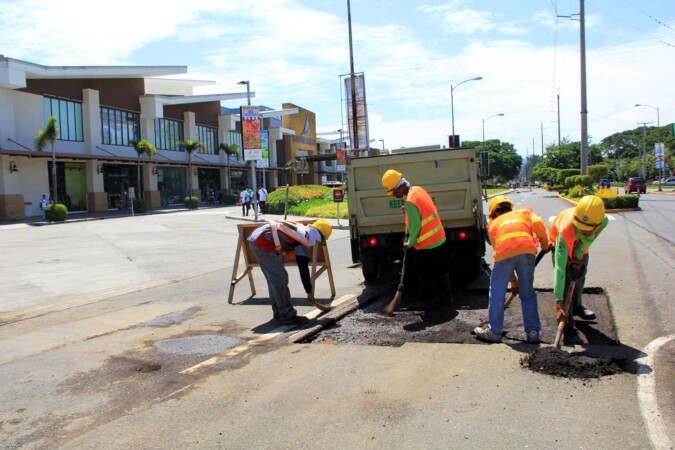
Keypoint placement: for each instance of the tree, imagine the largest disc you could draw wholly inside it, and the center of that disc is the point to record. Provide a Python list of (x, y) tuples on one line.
[(597, 171), (49, 134), (296, 165), (230, 150), (190, 146), (505, 161), (142, 147)]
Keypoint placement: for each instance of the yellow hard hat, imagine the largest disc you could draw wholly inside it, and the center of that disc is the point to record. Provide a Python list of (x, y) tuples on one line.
[(589, 213), (498, 200), (390, 179), (324, 228)]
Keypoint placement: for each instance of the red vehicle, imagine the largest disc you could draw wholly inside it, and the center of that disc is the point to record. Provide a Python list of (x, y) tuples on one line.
[(636, 184)]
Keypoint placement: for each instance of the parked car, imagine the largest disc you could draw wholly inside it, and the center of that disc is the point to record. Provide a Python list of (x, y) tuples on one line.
[(636, 184), (670, 181), (604, 182)]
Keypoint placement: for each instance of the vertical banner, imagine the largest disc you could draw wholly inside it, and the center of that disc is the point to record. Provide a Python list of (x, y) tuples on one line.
[(265, 144), (659, 154), (361, 140), (250, 133), (340, 154)]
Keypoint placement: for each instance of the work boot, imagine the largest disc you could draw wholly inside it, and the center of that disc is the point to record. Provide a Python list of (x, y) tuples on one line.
[(486, 334), (295, 320), (583, 313), (533, 337)]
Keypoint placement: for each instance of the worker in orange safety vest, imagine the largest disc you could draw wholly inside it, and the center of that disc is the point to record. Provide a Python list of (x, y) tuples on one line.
[(427, 256), (514, 236)]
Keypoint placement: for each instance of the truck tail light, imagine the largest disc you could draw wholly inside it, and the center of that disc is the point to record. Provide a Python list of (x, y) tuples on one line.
[(372, 242), (463, 235)]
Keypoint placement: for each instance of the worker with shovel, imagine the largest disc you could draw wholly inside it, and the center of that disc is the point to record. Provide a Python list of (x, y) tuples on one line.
[(268, 242), (513, 235), (572, 232), (426, 255)]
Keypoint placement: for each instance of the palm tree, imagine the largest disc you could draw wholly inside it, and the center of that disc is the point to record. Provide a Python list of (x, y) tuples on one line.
[(142, 147), (230, 150), (297, 165), (190, 146), (49, 134)]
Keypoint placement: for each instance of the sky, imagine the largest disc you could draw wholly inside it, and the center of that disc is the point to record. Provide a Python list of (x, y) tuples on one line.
[(413, 54)]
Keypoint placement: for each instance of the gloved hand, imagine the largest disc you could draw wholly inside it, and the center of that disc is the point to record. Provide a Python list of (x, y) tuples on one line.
[(560, 312), (576, 270)]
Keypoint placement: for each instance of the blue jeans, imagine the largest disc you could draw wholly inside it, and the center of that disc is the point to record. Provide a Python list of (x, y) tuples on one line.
[(499, 280), (277, 283)]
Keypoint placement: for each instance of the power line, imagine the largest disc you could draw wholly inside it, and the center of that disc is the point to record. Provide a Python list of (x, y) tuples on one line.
[(647, 14)]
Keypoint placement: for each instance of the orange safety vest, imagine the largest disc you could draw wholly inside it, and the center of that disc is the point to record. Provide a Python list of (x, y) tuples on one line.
[(513, 230), (295, 231), (432, 229), (564, 224)]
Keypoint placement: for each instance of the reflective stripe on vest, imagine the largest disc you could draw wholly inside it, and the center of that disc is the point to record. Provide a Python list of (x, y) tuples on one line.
[(431, 230), (295, 232), (563, 224), (512, 230)]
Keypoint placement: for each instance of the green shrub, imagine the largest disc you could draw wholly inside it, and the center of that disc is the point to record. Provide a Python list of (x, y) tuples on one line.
[(230, 199), (564, 173), (576, 191), (621, 202), (297, 195), (141, 206), (56, 213), (191, 202)]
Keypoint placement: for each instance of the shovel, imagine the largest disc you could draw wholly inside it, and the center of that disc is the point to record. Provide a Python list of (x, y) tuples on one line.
[(566, 307)]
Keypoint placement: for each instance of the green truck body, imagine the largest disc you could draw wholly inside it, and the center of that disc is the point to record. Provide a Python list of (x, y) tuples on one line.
[(376, 221)]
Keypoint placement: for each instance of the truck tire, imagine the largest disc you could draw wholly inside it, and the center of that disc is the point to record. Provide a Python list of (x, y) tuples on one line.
[(369, 269)]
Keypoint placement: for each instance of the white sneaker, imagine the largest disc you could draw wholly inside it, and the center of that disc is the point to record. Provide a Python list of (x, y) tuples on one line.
[(486, 333)]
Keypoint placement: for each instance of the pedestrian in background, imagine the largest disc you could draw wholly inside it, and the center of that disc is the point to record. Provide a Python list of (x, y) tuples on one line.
[(245, 200), (43, 206), (572, 232), (262, 198), (295, 240), (426, 255), (514, 236)]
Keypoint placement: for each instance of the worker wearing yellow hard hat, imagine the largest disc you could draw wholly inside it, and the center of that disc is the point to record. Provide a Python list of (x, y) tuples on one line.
[(514, 236), (295, 240), (426, 250), (572, 232)]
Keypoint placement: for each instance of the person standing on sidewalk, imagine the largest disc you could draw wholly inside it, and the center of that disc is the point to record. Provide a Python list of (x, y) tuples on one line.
[(245, 201), (268, 241), (513, 236), (262, 198), (43, 206), (572, 232), (426, 255)]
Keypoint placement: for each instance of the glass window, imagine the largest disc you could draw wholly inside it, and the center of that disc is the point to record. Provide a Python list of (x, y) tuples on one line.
[(118, 127), (168, 133), (209, 137), (68, 114)]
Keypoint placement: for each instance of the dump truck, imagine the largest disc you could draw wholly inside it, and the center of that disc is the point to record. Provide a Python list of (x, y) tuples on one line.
[(376, 221)]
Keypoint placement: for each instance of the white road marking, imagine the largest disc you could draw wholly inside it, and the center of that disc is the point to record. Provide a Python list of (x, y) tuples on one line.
[(646, 394), (194, 370)]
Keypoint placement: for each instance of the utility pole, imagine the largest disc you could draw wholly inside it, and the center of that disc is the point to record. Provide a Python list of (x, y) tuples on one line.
[(542, 140), (584, 107), (355, 127), (644, 149), (558, 117)]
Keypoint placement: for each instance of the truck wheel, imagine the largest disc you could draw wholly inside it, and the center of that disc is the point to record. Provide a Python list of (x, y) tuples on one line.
[(369, 270)]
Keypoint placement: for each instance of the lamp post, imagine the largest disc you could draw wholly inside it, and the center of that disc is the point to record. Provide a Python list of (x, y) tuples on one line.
[(382, 140), (253, 180), (658, 127), (452, 99), (490, 117)]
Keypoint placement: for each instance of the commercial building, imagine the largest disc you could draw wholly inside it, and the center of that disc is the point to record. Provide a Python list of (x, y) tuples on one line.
[(101, 109)]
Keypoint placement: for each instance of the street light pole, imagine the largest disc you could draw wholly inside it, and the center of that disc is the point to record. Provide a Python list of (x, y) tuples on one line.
[(254, 184), (382, 140), (485, 120), (658, 127), (452, 100)]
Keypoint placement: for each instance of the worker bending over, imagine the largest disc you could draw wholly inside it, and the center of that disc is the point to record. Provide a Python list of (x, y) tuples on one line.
[(572, 232), (294, 239), (427, 257), (513, 236)]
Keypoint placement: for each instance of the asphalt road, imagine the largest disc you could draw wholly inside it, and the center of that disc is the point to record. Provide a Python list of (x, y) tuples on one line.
[(117, 333)]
